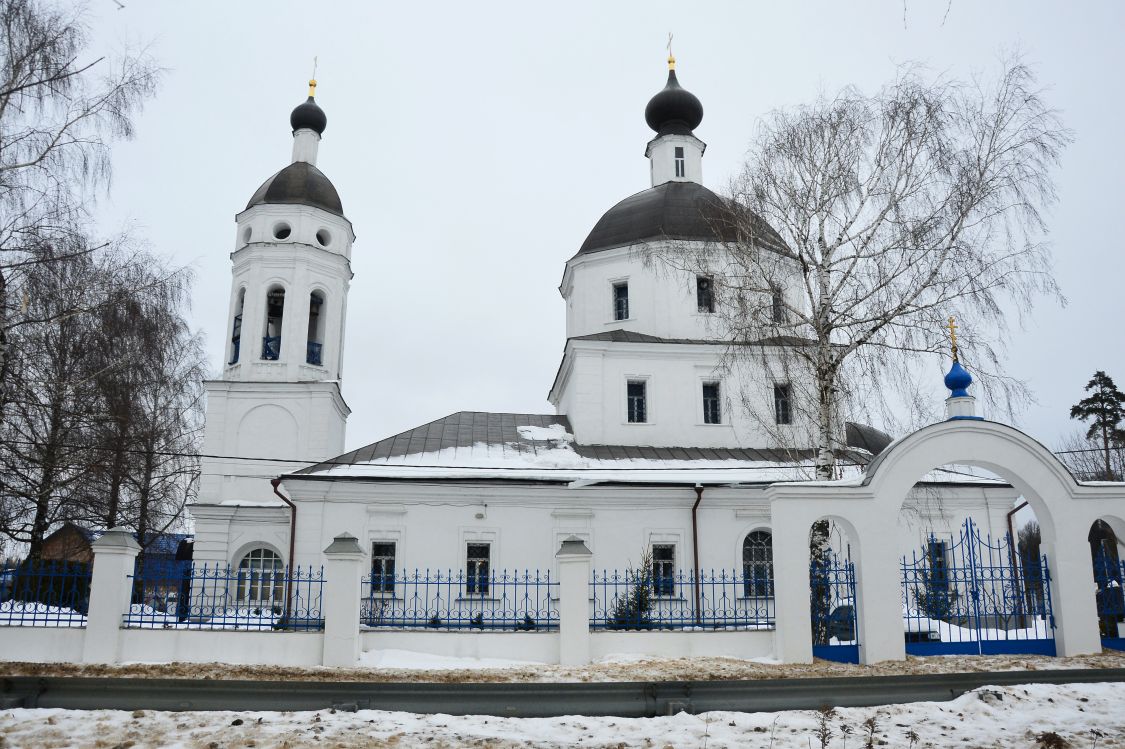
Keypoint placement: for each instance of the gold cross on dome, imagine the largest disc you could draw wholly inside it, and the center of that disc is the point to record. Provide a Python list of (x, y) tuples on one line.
[(671, 57), (953, 336)]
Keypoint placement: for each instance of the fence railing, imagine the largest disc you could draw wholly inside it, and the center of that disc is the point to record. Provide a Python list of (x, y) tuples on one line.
[(220, 597), (1109, 574), (724, 599), (452, 600), (45, 594)]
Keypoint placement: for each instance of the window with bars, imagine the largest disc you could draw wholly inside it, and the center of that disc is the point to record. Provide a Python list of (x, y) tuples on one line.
[(757, 564), (664, 569), (777, 305), (938, 581), (621, 301), (680, 161), (261, 578), (477, 561), (782, 405), (636, 401), (704, 294), (711, 410), (383, 566)]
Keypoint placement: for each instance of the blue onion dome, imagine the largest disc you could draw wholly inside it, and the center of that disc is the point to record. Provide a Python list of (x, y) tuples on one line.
[(309, 114), (674, 109), (958, 380)]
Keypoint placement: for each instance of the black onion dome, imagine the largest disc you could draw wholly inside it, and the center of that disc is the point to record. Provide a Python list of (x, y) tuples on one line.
[(674, 109), (300, 183), (308, 115)]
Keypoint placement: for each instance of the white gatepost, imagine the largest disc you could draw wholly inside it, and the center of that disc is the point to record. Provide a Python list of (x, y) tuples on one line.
[(792, 615), (343, 575), (574, 596), (115, 555)]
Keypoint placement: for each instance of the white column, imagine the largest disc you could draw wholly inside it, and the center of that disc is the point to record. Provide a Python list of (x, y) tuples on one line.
[(792, 614), (343, 574), (878, 590), (574, 595), (110, 587)]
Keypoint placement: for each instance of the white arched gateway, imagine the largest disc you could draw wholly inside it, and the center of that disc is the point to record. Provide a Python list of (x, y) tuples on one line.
[(1065, 508)]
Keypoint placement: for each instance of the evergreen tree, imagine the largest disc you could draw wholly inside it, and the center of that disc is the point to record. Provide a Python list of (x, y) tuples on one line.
[(1104, 408)]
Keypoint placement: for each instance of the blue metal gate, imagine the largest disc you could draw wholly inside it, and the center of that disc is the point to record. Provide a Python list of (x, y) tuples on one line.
[(1109, 573), (971, 595), (832, 603)]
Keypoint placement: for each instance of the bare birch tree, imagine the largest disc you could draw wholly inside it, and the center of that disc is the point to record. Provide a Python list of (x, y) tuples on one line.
[(863, 222), (60, 108)]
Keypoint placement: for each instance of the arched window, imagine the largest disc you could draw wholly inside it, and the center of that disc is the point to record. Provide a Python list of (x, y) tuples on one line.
[(261, 578), (236, 328), (275, 312), (757, 564), (315, 348)]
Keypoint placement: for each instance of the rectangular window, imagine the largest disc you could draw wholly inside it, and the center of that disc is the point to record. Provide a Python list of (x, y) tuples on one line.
[(383, 567), (782, 407), (711, 412), (679, 161), (621, 301), (777, 305), (938, 581), (664, 569), (704, 294), (637, 408), (477, 557)]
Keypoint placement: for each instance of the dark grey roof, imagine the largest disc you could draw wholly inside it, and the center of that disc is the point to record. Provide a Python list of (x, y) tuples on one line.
[(674, 210), (300, 183), (864, 437), (628, 336), (470, 428)]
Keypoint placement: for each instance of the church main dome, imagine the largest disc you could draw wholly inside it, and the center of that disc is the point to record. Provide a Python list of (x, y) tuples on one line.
[(673, 210), (300, 183)]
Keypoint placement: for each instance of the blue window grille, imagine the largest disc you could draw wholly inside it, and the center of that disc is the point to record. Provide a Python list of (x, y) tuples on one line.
[(221, 597), (1109, 575), (271, 347), (312, 352), (976, 595), (45, 594), (688, 601), (432, 599)]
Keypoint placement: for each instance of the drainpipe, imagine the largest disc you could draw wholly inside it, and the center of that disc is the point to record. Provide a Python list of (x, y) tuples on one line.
[(695, 549), (292, 541)]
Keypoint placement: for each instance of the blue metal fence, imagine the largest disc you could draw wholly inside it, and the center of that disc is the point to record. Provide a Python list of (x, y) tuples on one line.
[(451, 600), (707, 600), (45, 594), (973, 595), (832, 607), (219, 597), (1109, 574)]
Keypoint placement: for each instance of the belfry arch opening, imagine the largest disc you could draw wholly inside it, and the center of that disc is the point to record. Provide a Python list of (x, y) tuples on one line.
[(236, 328), (314, 347), (275, 314), (1106, 553), (832, 591)]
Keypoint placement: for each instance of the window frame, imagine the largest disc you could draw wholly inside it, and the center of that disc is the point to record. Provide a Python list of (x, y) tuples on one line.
[(680, 163), (704, 285), (778, 313), (757, 564), (248, 590), (782, 403), (663, 585), (477, 584), (386, 583), (646, 410), (716, 418), (615, 302)]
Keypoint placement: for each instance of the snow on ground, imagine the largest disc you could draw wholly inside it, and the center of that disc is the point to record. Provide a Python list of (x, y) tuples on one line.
[(1015, 716), (611, 668), (411, 661)]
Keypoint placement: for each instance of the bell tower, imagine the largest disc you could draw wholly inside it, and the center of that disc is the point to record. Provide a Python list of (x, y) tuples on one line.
[(278, 404)]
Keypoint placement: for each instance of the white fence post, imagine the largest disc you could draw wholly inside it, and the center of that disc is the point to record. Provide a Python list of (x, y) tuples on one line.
[(343, 575), (115, 553), (574, 596)]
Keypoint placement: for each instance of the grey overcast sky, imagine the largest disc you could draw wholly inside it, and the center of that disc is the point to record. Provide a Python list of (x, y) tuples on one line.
[(474, 145)]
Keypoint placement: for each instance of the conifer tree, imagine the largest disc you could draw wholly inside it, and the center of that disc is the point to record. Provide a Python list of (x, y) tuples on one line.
[(1104, 408)]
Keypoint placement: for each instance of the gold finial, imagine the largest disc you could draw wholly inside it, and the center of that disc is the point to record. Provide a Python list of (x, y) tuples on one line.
[(671, 57), (953, 336), (312, 81)]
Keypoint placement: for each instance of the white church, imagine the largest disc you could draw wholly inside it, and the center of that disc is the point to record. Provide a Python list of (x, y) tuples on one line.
[(649, 454)]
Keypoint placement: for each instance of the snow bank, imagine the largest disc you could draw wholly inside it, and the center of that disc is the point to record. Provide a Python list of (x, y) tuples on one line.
[(409, 660)]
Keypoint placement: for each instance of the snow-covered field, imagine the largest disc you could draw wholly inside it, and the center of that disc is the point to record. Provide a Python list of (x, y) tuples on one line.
[(1020, 716)]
